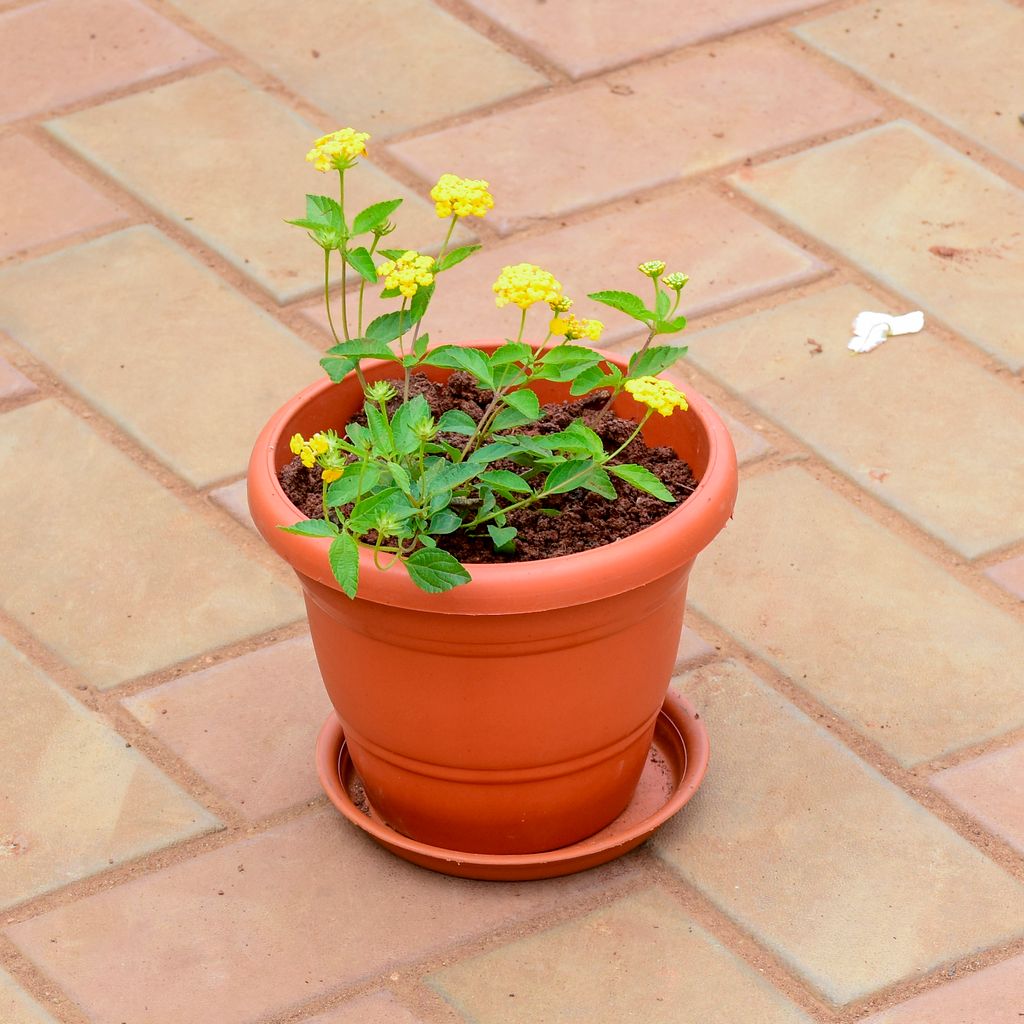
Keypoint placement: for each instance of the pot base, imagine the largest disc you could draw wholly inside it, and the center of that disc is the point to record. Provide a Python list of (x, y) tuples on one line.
[(675, 768)]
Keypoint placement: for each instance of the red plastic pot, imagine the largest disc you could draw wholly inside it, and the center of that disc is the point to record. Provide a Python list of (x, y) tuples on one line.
[(512, 714)]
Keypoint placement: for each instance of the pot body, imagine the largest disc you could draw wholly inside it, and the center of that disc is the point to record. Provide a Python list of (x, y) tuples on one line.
[(513, 714)]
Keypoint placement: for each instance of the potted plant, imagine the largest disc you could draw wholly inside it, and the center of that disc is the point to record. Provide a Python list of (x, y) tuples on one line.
[(493, 700)]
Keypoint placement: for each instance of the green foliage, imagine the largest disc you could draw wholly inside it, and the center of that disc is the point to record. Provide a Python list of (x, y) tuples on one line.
[(368, 219)]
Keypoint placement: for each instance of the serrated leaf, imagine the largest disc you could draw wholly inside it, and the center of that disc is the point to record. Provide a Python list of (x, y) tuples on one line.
[(360, 260), (524, 401), (337, 367), (565, 363), (305, 222), (589, 379), (389, 326), (311, 528), (452, 474), (505, 480), (444, 522), (600, 483), (400, 475), (455, 421), (324, 211), (670, 326), (379, 432), (457, 357), (654, 360), (364, 515), (419, 346), (503, 537), (344, 558), (420, 301), (567, 476), (662, 304), (456, 256), (496, 450), (435, 571), (357, 480), (626, 302), (368, 219), (642, 479), (362, 348), (511, 352), (359, 436), (577, 437), (509, 419)]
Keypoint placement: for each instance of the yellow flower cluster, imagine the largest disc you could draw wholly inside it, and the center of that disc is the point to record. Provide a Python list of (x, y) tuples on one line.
[(574, 329), (652, 268), (524, 284), (309, 450), (408, 272), (561, 305), (676, 281), (657, 394), (465, 197), (337, 150)]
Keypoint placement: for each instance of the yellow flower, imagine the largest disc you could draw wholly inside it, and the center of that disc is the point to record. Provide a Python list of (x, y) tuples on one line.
[(319, 444), (652, 268), (574, 328), (307, 456), (561, 305), (408, 272), (330, 475), (296, 444), (337, 150), (657, 394), (676, 281), (524, 284), (465, 197)]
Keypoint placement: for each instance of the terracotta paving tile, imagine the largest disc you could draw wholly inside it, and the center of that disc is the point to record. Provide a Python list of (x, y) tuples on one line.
[(248, 725), (243, 174), (749, 444), (854, 615), (118, 588), (1009, 575), (60, 51), (874, 416), (173, 329), (925, 50), (13, 383), (552, 156), (926, 221), (76, 799), (639, 959), (49, 201), (446, 68), (17, 1006), (307, 908), (584, 36), (992, 996), (730, 257), (380, 1008), (235, 499), (990, 789), (848, 880)]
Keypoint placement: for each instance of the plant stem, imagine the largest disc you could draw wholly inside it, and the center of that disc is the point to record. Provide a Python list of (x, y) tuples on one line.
[(522, 325), (344, 262), (362, 287), (327, 293), (448, 237)]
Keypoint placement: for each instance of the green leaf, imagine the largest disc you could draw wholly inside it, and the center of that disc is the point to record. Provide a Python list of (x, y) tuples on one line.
[(450, 259), (435, 571), (445, 521), (642, 479), (408, 414), (670, 326), (511, 352), (505, 480), (565, 362), (357, 480), (496, 450), (525, 401), (458, 357), (361, 262), (577, 437), (324, 211), (364, 515), (311, 528), (455, 421), (662, 304), (509, 419), (504, 537), (590, 379), (305, 222), (362, 348), (567, 476), (368, 219), (392, 254), (452, 474), (419, 346), (600, 483), (400, 475), (344, 558), (337, 367), (379, 432), (628, 303), (420, 301), (360, 437), (390, 326), (653, 361), (508, 375)]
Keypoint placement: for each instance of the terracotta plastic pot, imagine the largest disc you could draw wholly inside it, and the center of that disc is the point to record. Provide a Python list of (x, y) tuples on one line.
[(512, 714)]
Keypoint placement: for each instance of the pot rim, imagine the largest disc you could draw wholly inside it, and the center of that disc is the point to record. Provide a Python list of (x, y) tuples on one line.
[(508, 587)]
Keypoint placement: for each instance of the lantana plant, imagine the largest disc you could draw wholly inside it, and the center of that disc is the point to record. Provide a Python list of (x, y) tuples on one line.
[(404, 479)]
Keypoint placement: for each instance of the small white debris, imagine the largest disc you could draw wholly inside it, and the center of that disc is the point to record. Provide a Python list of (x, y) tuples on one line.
[(871, 329)]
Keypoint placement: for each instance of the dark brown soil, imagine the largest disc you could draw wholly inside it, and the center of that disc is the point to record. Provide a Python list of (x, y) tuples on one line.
[(585, 520)]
